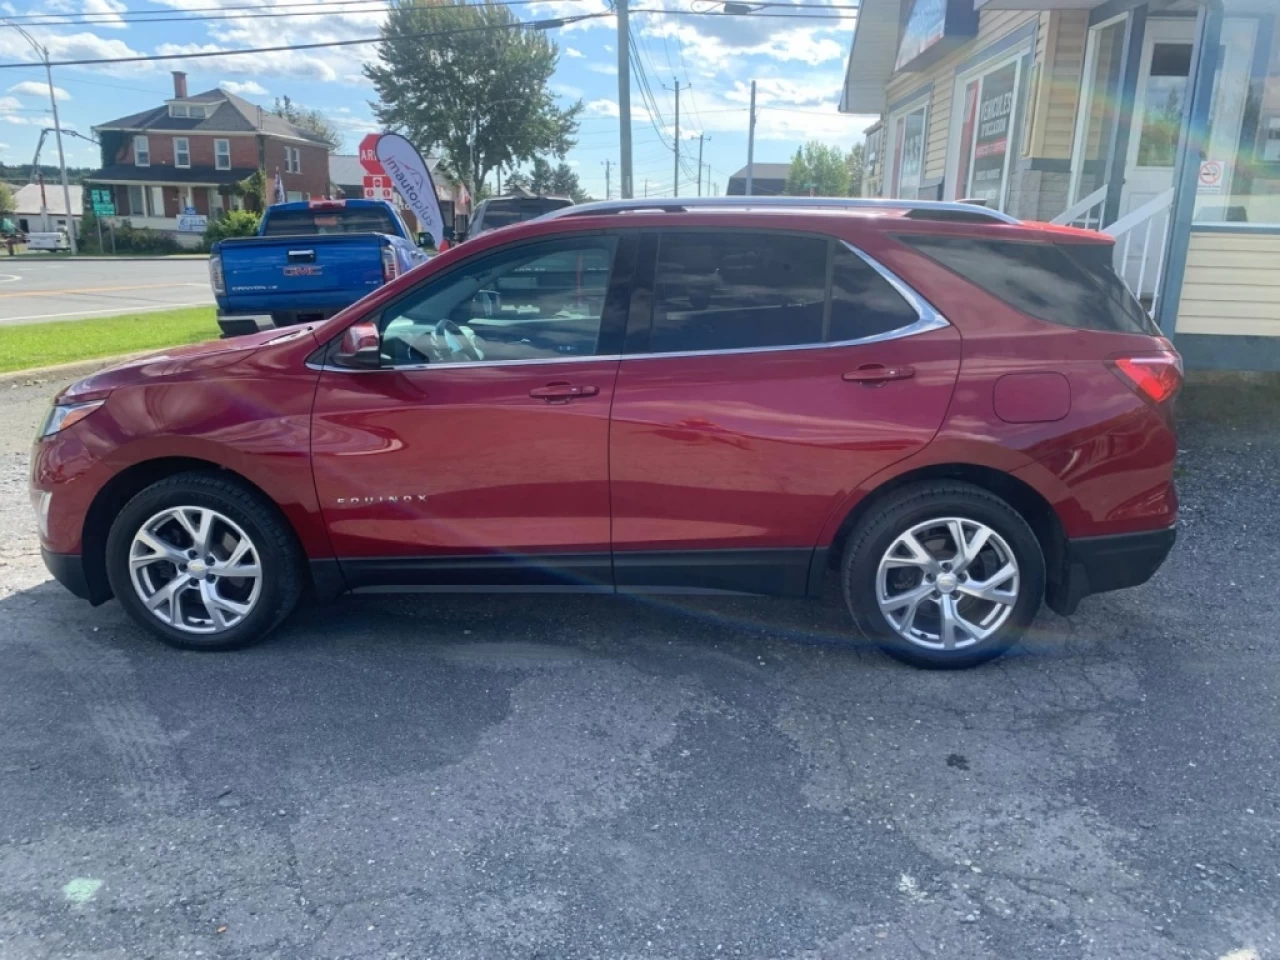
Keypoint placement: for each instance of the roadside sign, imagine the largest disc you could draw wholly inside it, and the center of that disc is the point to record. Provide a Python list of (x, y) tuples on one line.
[(369, 155), (378, 187), (192, 224), (103, 203)]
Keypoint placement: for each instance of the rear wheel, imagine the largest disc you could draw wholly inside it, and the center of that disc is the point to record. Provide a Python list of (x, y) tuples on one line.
[(943, 574), (203, 562)]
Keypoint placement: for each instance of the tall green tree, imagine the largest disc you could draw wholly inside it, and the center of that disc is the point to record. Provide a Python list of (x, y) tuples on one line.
[(480, 97), (309, 119), (857, 163), (6, 198), (820, 170), (560, 180)]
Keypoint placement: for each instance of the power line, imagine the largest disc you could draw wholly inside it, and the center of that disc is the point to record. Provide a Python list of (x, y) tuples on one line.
[(228, 12), (548, 24)]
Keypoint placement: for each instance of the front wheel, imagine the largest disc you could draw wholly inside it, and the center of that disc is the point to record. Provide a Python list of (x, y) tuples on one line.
[(943, 574), (203, 562)]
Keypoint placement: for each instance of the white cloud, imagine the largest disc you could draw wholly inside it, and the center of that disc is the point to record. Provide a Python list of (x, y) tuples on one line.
[(89, 46), (573, 52), (9, 103), (603, 108), (21, 121), (607, 68), (106, 13), (249, 88), (33, 88), (566, 90)]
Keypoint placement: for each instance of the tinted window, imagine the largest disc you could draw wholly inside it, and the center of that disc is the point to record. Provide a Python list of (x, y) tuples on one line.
[(536, 301), (1079, 289), (863, 303), (725, 291), (292, 223), (503, 213)]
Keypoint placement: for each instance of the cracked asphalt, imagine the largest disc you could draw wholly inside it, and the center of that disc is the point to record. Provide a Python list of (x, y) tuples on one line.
[(583, 777)]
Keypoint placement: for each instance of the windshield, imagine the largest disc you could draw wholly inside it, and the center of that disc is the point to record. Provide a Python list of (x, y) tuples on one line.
[(292, 223)]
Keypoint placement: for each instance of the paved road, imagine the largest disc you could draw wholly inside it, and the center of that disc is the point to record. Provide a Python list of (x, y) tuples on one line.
[(36, 289), (503, 777)]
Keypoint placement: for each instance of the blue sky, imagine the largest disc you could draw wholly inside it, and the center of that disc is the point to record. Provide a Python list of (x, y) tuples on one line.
[(798, 65)]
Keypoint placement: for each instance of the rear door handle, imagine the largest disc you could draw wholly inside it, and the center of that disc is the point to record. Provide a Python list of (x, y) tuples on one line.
[(873, 373), (563, 392)]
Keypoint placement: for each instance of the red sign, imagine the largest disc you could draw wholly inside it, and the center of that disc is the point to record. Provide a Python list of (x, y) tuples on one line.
[(369, 155), (377, 187)]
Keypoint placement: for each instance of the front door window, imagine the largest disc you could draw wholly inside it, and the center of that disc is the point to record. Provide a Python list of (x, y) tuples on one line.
[(987, 122), (908, 131), (1162, 104), (1096, 125)]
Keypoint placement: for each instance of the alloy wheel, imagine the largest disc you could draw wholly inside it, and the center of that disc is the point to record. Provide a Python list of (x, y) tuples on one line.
[(947, 584), (195, 569)]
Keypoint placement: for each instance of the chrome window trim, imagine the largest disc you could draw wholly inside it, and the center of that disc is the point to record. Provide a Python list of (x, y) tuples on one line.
[(928, 318)]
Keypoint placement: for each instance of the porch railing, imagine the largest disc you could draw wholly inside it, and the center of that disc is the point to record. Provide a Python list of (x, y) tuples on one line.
[(1140, 223), (1135, 256), (1086, 213)]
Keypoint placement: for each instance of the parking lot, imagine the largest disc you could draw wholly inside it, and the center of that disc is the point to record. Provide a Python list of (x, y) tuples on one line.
[(574, 777)]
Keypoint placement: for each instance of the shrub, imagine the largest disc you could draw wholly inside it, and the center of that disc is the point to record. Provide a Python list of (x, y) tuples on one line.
[(233, 223)]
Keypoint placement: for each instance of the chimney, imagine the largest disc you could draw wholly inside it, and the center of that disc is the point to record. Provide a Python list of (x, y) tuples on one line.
[(179, 85)]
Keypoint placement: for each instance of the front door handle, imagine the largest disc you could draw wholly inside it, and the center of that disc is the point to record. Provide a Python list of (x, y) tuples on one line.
[(873, 373), (560, 392)]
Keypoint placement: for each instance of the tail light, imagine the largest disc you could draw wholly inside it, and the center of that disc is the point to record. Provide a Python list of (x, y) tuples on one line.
[(1156, 376), (390, 267), (215, 276)]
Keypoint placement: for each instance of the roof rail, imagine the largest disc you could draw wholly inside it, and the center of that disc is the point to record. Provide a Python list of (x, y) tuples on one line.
[(917, 209)]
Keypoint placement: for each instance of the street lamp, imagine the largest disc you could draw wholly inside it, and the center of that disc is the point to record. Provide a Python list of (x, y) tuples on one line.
[(43, 54)]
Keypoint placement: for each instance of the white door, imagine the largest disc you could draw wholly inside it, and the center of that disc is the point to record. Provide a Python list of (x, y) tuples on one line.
[(1163, 88)]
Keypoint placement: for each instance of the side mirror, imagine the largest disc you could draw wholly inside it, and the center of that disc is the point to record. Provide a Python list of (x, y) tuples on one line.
[(424, 239), (360, 348)]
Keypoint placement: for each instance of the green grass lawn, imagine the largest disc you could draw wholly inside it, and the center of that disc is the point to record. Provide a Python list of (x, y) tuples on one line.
[(27, 345)]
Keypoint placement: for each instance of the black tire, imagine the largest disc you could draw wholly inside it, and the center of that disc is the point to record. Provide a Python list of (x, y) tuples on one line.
[(279, 556), (916, 504)]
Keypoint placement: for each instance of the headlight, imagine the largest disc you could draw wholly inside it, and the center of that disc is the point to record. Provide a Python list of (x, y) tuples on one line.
[(64, 415)]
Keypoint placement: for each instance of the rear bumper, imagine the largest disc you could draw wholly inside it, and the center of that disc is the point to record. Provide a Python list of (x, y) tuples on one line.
[(1100, 564)]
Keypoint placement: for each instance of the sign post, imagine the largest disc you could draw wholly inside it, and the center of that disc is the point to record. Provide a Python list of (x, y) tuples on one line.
[(103, 206), (408, 173)]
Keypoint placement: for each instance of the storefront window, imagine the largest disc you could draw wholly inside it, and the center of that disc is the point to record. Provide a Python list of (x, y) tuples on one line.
[(908, 153), (986, 144), (1095, 133), (1239, 176)]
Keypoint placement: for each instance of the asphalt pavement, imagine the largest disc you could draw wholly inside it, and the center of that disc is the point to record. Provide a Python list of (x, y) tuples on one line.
[(586, 777), (35, 289)]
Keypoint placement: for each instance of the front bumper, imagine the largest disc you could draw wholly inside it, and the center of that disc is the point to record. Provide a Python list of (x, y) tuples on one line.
[(1100, 564)]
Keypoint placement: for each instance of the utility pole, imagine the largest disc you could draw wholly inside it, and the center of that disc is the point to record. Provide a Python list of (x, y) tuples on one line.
[(608, 182), (675, 175), (624, 96), (701, 138), (646, 188), (43, 53), (751, 140)]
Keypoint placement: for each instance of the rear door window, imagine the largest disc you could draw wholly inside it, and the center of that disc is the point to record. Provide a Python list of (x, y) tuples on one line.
[(863, 303), (730, 291), (1070, 285)]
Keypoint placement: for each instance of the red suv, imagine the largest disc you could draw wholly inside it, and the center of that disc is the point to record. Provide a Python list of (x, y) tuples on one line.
[(961, 413)]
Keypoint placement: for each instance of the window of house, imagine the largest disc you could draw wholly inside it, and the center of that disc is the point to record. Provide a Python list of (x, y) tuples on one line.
[(141, 152), (292, 160), (198, 113), (539, 301), (1239, 177), (983, 131), (178, 110), (181, 152), (732, 291), (907, 132), (222, 154), (137, 201), (863, 303)]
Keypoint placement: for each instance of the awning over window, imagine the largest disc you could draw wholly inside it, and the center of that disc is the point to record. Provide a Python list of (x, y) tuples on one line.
[(875, 45)]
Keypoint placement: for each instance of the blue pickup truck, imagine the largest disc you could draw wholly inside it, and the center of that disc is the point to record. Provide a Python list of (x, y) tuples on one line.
[(309, 260)]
